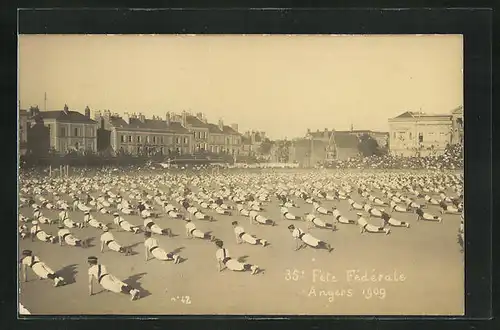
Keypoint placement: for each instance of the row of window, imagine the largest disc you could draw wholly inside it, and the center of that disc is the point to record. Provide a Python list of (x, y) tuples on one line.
[(75, 132), (420, 135), (153, 139)]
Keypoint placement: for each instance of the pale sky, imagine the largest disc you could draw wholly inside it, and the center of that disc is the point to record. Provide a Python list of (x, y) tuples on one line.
[(278, 84)]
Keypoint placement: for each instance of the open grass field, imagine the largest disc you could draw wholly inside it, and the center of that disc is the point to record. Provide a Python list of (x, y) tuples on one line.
[(417, 270)]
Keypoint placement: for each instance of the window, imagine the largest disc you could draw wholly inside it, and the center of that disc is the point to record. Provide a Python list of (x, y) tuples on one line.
[(185, 140), (130, 138), (420, 137), (147, 139), (122, 138), (161, 139), (178, 140), (76, 131), (138, 139), (63, 132), (410, 136)]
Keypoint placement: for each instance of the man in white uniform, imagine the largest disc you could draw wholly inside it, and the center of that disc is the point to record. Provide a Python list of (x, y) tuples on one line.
[(152, 247), (108, 240), (38, 267), (65, 236), (108, 281), (38, 232), (224, 260), (124, 224), (154, 228), (192, 231), (255, 217), (241, 236), (305, 239), (315, 221), (365, 226)]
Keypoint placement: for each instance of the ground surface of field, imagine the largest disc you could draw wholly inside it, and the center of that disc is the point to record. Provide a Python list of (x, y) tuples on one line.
[(422, 270)]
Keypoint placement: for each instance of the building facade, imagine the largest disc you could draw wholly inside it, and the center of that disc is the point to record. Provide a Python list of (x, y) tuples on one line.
[(417, 134), (23, 132), (134, 134), (69, 130), (457, 125)]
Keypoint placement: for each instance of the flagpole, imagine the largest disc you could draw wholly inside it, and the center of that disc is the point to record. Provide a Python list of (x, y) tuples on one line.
[(45, 102)]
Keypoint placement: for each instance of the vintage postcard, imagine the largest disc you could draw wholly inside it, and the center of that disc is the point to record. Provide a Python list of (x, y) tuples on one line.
[(241, 175)]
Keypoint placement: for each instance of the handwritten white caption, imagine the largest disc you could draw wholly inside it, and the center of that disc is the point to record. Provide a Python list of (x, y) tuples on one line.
[(186, 300), (372, 282)]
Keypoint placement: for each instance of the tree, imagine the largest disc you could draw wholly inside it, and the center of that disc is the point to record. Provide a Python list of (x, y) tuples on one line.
[(265, 147), (368, 146)]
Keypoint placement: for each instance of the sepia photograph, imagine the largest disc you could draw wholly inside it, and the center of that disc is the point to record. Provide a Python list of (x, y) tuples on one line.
[(241, 175)]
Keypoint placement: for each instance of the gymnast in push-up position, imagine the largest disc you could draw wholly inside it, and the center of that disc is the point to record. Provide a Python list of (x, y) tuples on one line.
[(388, 220), (317, 222), (224, 260), (303, 239), (38, 267), (242, 236), (366, 227), (421, 215), (192, 231), (341, 219), (108, 281), (255, 217), (151, 246)]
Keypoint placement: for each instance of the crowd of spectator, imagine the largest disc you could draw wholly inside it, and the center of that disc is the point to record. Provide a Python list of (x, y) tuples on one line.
[(451, 159)]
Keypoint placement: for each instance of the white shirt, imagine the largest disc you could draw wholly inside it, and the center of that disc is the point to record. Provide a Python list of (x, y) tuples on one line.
[(147, 221), (220, 254), (310, 217), (190, 226), (106, 237), (238, 230), (63, 232), (297, 232), (28, 260), (362, 222), (94, 270), (118, 220), (35, 228), (253, 214), (150, 243)]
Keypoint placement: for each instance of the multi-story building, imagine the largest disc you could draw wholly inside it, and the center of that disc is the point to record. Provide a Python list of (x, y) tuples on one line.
[(69, 130), (457, 125), (251, 143), (414, 134), (23, 132), (199, 128), (134, 134)]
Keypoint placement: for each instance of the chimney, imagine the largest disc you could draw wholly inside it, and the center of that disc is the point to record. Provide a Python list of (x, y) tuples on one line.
[(221, 125), (199, 115), (127, 117), (97, 115), (167, 117), (325, 134), (141, 117), (66, 109), (234, 127), (87, 112), (308, 131), (184, 119)]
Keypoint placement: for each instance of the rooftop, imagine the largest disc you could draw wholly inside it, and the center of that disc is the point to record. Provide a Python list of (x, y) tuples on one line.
[(66, 116), (155, 124)]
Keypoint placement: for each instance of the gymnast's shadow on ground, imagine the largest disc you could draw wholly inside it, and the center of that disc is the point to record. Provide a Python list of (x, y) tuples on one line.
[(89, 241), (176, 251), (133, 281), (68, 273), (242, 259)]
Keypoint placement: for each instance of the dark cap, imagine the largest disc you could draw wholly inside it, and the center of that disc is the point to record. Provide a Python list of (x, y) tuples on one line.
[(92, 258), (234, 222), (291, 227), (27, 252)]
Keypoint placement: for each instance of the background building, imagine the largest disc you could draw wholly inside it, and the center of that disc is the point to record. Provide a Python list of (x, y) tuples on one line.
[(135, 135), (23, 132), (68, 130), (421, 134)]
